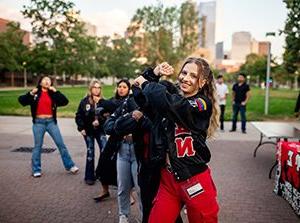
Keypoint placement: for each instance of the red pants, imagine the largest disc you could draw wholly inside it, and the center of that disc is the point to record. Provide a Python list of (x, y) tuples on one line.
[(202, 208)]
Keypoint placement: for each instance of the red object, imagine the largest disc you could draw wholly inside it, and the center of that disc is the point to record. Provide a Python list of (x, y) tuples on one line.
[(287, 180), (201, 208), (44, 106)]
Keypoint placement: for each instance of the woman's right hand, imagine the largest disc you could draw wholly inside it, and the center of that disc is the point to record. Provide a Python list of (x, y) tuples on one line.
[(83, 132), (163, 69), (33, 91)]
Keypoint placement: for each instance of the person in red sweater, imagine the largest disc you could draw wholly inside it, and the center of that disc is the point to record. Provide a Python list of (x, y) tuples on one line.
[(43, 100)]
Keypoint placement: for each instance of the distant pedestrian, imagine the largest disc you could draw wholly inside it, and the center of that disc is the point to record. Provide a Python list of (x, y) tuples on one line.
[(222, 92), (43, 100), (240, 98)]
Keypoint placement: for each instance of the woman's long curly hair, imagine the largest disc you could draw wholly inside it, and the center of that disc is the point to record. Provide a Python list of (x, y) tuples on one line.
[(208, 89)]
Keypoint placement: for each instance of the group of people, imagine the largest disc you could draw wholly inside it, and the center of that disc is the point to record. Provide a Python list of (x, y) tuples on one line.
[(240, 98), (152, 139)]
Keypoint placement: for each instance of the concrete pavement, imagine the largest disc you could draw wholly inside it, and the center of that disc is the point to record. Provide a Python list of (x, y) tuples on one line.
[(244, 190)]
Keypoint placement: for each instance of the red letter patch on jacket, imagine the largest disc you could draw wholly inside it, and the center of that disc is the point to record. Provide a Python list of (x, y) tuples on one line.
[(185, 146)]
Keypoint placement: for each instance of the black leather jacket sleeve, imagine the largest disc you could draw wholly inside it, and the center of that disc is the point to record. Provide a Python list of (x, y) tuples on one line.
[(59, 98), (125, 124), (79, 117), (122, 123), (110, 122), (192, 113), (26, 99)]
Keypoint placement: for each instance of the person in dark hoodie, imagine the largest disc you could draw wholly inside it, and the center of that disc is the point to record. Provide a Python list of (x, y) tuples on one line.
[(44, 100), (90, 117)]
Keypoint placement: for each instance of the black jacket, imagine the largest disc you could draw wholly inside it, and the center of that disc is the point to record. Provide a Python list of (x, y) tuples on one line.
[(58, 99), (87, 113), (106, 169), (186, 125), (121, 123)]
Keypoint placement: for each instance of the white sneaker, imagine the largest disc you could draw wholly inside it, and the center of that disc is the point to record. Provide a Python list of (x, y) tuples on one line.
[(74, 169), (123, 219), (37, 174)]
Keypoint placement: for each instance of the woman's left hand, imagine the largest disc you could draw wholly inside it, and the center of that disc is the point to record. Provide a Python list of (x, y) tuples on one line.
[(139, 81), (137, 115), (95, 123)]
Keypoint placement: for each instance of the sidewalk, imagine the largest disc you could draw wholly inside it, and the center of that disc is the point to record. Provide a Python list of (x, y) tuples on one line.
[(244, 190)]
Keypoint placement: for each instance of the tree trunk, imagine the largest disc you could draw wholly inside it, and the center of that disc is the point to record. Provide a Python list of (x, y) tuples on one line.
[(12, 79), (25, 78)]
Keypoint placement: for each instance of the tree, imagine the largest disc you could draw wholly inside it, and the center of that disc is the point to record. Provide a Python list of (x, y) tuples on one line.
[(121, 63), (52, 22), (255, 65), (41, 60), (13, 53), (291, 55), (189, 22), (160, 23)]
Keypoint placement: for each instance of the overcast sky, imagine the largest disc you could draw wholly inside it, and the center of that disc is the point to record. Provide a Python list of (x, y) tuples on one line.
[(112, 16)]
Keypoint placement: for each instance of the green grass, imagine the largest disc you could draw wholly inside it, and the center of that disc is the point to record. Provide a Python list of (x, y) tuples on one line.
[(282, 103), (9, 104)]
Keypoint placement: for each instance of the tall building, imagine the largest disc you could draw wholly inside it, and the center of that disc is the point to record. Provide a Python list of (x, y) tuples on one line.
[(90, 29), (241, 46), (263, 48), (259, 47), (219, 51), (254, 46), (207, 26)]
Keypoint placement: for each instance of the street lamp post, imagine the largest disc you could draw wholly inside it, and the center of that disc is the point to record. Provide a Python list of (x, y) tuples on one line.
[(267, 94), (25, 74)]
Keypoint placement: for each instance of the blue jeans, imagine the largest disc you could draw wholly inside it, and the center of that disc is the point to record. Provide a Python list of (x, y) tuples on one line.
[(236, 109), (90, 155), (127, 177), (39, 128)]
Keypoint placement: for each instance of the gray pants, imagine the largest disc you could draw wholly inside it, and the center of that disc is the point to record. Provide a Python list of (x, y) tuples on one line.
[(127, 177)]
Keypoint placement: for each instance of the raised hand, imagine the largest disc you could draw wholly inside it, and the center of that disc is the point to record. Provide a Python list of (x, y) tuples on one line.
[(163, 69), (139, 81), (51, 88), (33, 91)]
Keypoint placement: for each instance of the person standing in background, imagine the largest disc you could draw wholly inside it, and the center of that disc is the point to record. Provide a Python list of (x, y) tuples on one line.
[(44, 100), (240, 97), (90, 125), (106, 171), (222, 92)]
